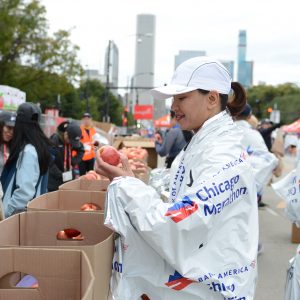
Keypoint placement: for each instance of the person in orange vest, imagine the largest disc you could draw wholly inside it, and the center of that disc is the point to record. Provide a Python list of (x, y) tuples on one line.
[(87, 139)]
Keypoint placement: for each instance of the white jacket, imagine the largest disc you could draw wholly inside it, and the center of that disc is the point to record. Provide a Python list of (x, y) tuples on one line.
[(263, 162), (201, 245)]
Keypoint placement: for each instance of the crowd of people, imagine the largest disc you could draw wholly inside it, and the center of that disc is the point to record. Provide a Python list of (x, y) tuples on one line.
[(32, 164)]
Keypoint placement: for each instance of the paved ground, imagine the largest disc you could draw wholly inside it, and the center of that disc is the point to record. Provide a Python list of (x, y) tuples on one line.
[(275, 232)]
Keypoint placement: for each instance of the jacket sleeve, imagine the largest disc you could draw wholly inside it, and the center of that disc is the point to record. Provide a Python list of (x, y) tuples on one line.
[(79, 155), (169, 140), (27, 176)]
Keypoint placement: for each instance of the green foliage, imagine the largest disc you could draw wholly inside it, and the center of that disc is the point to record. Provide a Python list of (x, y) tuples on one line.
[(289, 107), (24, 40), (286, 96), (95, 92)]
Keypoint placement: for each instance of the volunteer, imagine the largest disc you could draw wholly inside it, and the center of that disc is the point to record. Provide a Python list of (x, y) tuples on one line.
[(68, 154), (262, 160), (172, 143), (205, 239), (7, 124), (25, 174), (88, 133)]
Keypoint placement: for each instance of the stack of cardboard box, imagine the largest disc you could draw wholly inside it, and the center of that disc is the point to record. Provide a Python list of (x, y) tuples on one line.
[(64, 269)]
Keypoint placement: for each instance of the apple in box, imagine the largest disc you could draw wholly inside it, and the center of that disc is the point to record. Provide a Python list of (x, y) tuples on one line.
[(110, 155)]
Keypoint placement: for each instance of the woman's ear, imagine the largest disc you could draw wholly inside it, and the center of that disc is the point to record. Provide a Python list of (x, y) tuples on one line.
[(213, 99)]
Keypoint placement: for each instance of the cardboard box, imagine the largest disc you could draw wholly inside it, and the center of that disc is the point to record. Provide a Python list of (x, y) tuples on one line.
[(86, 185), (39, 229), (61, 274), (147, 144), (295, 238), (67, 200)]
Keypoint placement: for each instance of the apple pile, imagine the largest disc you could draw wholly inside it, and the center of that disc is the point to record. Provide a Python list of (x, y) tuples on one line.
[(135, 153), (90, 207), (69, 234)]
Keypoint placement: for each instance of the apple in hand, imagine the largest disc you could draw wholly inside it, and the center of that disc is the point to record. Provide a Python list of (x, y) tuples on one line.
[(110, 155)]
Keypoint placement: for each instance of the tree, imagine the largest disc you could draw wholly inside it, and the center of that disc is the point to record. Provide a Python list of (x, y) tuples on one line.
[(285, 96), (30, 59), (95, 91)]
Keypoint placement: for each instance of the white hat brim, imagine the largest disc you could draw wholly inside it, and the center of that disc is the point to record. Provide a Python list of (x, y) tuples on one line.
[(168, 91)]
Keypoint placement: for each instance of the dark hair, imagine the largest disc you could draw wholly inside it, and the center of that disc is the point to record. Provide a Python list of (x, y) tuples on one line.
[(1, 135), (238, 101), (30, 133)]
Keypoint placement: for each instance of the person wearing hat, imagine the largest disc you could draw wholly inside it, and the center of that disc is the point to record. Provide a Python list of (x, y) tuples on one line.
[(88, 134), (204, 240), (25, 174), (68, 152), (261, 159), (7, 124)]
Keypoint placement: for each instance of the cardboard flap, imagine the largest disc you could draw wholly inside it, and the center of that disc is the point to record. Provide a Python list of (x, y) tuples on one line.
[(87, 278), (21, 294), (50, 223), (10, 234), (58, 271), (67, 200), (86, 185)]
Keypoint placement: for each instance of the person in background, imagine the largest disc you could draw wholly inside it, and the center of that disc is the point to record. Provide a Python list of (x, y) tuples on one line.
[(266, 127), (25, 174), (68, 152), (252, 139), (7, 124), (172, 143), (88, 133)]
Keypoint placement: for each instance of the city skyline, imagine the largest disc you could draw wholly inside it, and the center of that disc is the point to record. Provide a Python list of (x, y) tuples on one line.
[(178, 30)]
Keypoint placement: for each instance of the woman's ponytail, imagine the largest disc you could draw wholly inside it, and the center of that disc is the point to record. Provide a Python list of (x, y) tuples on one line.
[(237, 103)]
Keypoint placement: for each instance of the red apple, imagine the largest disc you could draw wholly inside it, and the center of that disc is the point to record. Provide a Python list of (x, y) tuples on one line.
[(69, 234), (110, 155), (90, 206)]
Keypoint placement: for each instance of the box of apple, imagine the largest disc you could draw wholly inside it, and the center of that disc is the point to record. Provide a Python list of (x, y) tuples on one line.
[(136, 156)]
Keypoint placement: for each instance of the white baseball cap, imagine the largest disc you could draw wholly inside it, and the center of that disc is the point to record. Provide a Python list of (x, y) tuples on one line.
[(201, 72)]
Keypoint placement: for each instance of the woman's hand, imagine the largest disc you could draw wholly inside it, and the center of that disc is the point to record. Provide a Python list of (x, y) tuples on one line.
[(158, 138), (110, 171)]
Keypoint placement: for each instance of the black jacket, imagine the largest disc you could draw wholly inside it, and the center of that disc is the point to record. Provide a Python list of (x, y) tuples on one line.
[(266, 134), (56, 168)]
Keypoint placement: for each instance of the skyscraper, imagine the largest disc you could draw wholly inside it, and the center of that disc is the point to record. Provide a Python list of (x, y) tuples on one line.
[(245, 68), (229, 65), (113, 61), (144, 63), (187, 54)]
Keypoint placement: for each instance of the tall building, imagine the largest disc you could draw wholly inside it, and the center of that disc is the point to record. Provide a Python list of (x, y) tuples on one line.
[(245, 68), (144, 63), (187, 54), (92, 74), (113, 61), (229, 65)]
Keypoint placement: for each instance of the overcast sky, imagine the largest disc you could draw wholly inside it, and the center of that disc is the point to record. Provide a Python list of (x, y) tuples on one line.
[(273, 32)]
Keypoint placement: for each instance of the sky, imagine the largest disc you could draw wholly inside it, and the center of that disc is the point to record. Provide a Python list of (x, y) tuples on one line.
[(273, 32)]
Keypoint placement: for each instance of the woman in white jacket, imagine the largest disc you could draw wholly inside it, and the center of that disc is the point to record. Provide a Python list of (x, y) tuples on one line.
[(203, 243)]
